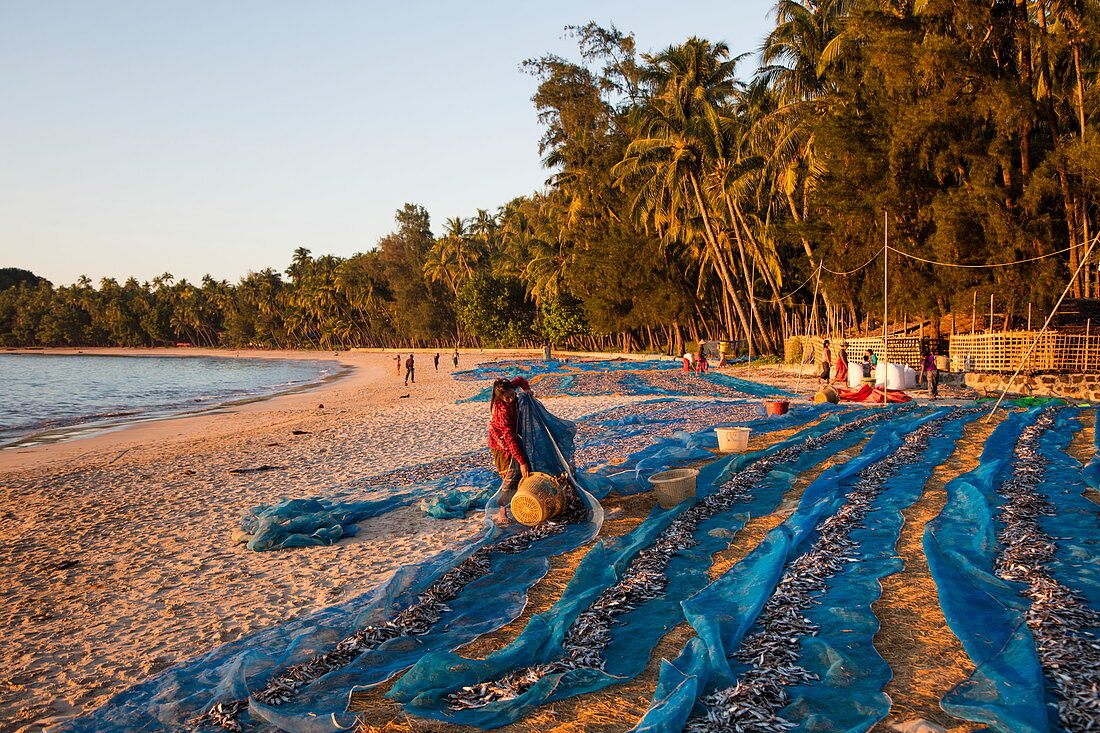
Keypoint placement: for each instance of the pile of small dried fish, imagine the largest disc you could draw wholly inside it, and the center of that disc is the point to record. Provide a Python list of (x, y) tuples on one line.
[(415, 620), (689, 417), (644, 579), (774, 650), (1059, 619)]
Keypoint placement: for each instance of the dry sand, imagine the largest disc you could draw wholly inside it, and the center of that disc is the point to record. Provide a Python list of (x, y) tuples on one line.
[(116, 558)]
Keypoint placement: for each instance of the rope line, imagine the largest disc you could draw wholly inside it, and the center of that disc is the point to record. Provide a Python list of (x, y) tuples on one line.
[(995, 264), (876, 255)]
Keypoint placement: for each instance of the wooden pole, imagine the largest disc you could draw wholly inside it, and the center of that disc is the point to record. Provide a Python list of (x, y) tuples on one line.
[(974, 313), (1029, 315), (885, 301), (1088, 327), (1050, 317)]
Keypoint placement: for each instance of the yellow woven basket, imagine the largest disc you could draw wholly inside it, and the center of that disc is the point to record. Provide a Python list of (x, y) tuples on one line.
[(539, 497)]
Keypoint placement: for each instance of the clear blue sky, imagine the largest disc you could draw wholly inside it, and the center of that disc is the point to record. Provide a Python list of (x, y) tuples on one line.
[(196, 137)]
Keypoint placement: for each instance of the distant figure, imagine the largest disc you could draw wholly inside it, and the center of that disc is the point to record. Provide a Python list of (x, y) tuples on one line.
[(397, 363), (841, 374), (454, 359), (826, 361), (870, 358), (931, 374), (701, 365), (721, 360), (436, 360), (689, 358), (508, 453), (410, 370)]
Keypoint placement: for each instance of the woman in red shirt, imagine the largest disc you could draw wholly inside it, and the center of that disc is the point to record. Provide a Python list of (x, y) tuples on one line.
[(508, 454)]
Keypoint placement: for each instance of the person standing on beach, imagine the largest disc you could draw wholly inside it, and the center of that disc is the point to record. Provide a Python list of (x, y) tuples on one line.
[(702, 366), (841, 374), (932, 374), (436, 361), (454, 359), (397, 363), (410, 370), (826, 361), (508, 454)]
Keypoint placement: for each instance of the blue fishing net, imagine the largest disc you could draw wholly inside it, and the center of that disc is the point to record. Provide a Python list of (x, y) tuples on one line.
[(1007, 691), (170, 699), (983, 611), (635, 633), (852, 674), (626, 378)]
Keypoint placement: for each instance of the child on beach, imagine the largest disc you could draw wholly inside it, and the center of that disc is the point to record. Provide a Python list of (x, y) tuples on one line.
[(508, 454), (436, 361)]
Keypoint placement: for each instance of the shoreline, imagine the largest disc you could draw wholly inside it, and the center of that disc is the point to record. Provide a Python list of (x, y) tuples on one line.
[(18, 455), (120, 421)]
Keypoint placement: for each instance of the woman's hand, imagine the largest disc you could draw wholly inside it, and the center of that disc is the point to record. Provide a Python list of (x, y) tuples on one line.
[(525, 470)]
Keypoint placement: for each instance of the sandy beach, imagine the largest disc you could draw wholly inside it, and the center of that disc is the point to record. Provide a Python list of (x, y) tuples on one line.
[(117, 552)]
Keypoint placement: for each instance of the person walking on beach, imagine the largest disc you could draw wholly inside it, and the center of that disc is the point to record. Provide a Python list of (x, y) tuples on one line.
[(410, 370), (931, 374), (826, 361), (508, 454), (436, 361), (454, 359)]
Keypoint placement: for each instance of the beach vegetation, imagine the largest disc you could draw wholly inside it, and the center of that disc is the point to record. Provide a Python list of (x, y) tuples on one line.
[(690, 196)]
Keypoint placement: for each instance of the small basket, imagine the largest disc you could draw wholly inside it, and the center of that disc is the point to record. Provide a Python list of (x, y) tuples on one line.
[(776, 407), (675, 486)]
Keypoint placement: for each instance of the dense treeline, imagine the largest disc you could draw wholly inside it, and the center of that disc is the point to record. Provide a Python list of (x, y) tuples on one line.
[(687, 202)]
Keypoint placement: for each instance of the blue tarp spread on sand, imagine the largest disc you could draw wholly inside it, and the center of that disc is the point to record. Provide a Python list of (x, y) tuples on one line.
[(635, 633), (848, 697), (170, 699)]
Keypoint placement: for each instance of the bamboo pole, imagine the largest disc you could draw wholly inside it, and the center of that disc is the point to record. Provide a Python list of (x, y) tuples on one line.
[(991, 313), (885, 302), (1050, 317), (974, 313)]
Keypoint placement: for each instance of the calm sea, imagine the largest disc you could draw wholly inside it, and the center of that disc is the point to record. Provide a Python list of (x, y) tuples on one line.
[(46, 398)]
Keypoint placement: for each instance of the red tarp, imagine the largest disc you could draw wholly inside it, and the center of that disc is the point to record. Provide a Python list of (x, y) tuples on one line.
[(867, 393)]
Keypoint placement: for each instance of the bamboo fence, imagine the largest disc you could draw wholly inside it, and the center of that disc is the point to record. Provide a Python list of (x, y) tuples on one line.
[(990, 353)]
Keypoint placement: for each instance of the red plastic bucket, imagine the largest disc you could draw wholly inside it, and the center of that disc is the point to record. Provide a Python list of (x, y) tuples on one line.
[(776, 407)]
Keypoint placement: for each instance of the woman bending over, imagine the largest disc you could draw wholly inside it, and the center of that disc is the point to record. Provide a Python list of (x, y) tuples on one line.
[(508, 453)]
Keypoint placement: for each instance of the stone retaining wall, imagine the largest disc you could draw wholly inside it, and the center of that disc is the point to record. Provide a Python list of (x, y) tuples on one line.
[(1073, 386)]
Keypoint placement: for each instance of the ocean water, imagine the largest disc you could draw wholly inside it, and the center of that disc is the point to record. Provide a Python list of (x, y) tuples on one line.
[(46, 398)]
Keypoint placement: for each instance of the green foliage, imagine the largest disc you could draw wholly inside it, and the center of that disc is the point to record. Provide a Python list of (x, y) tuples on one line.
[(11, 277), (560, 317), (496, 309)]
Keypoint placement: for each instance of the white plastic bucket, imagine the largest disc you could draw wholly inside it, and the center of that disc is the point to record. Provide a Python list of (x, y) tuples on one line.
[(733, 440), (855, 374)]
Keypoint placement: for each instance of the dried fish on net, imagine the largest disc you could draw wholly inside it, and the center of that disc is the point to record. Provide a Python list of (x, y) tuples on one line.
[(774, 650), (644, 579), (416, 619), (687, 417), (1059, 619)]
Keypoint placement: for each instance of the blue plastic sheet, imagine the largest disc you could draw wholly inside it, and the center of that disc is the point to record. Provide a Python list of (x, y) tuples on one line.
[(724, 612), (983, 611), (229, 672), (638, 631)]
